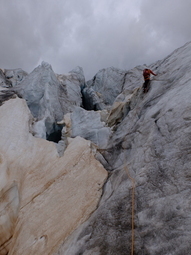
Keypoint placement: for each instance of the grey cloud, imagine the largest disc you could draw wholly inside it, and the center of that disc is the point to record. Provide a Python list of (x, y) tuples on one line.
[(91, 34), (166, 26)]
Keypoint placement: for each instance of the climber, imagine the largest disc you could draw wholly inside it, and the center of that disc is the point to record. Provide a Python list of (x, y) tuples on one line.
[(146, 75)]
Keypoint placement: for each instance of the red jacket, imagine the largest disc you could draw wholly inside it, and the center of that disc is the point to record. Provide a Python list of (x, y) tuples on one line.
[(147, 73)]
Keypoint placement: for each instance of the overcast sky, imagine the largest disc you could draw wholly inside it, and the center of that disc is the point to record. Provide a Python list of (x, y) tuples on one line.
[(93, 34)]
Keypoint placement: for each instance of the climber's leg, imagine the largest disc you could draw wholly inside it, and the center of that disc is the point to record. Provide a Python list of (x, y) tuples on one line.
[(146, 86)]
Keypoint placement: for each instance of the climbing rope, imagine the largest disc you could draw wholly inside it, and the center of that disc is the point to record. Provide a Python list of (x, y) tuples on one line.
[(133, 207), (132, 211)]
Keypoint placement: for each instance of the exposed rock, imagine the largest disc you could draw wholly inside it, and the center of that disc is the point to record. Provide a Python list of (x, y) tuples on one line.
[(5, 95), (3, 81), (124, 103), (14, 76), (72, 84)]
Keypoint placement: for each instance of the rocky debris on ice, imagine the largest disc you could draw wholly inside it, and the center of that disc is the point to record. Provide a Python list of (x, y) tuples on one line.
[(15, 76), (38, 189)]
